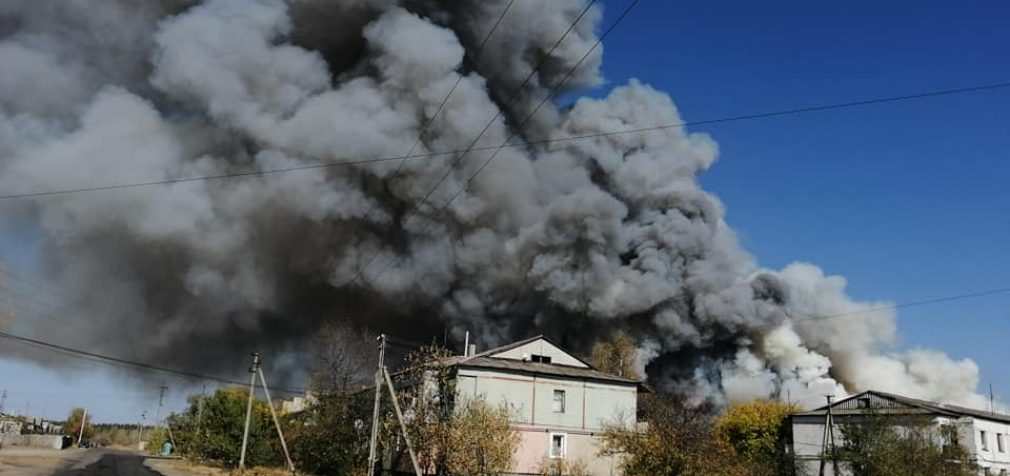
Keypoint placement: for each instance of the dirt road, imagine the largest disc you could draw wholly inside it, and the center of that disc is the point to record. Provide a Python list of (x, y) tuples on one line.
[(74, 462)]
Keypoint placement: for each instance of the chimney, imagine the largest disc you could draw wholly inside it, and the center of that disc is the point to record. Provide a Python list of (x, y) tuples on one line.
[(472, 350)]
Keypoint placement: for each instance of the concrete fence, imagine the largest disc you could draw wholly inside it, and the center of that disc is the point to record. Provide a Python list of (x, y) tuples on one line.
[(32, 441)]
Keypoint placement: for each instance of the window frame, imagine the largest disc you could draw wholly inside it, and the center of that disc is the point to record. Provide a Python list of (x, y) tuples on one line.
[(563, 401), (550, 445)]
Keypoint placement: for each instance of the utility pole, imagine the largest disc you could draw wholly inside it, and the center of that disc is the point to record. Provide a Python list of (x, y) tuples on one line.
[(84, 421), (140, 429), (248, 409), (992, 405), (372, 453), (828, 442), (273, 413), (403, 424), (199, 416), (257, 370), (161, 402)]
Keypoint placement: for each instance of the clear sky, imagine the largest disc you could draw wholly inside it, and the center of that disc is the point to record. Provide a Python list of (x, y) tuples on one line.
[(907, 200)]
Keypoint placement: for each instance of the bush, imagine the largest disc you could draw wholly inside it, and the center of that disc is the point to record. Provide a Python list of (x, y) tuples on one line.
[(217, 434)]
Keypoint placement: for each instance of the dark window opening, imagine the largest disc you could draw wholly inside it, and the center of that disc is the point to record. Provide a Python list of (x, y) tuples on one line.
[(543, 359)]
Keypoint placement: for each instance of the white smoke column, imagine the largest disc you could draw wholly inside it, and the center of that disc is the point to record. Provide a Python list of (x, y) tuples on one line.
[(573, 238)]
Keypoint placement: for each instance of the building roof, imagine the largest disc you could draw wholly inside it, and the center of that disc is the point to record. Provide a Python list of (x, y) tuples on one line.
[(508, 347), (905, 404), (536, 368), (486, 360)]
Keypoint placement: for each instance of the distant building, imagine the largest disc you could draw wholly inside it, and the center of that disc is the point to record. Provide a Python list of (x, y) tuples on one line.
[(559, 402), (985, 435), (296, 404), (10, 425)]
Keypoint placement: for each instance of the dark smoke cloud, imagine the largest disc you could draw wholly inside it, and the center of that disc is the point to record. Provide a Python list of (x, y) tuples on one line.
[(574, 239)]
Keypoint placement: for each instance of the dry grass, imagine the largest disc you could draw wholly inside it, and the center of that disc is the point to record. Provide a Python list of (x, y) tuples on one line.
[(179, 467)]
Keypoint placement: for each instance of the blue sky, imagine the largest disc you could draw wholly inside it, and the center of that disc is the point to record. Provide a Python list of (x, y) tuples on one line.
[(907, 200)]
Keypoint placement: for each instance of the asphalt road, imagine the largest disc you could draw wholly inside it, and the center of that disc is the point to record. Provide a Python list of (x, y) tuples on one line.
[(93, 462), (109, 463)]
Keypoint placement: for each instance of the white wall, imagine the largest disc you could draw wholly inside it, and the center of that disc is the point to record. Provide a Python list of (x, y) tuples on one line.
[(541, 347), (990, 458), (589, 406), (809, 431)]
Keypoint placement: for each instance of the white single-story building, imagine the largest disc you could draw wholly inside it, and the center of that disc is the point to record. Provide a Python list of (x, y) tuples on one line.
[(985, 435)]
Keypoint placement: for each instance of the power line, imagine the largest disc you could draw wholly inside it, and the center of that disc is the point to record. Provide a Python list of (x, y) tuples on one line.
[(552, 93), (956, 297), (473, 143), (546, 98), (130, 363), (523, 144)]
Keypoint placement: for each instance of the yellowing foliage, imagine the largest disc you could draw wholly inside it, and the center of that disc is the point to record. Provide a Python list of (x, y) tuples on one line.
[(755, 428)]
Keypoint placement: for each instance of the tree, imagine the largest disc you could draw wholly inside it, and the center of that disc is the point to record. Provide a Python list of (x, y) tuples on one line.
[(450, 436), (562, 467), (343, 359), (616, 355), (877, 444), (73, 425), (677, 441), (216, 432), (757, 432), (332, 435), (426, 392), (482, 441)]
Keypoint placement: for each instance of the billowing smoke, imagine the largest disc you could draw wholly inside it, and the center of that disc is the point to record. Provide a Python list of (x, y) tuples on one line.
[(570, 238)]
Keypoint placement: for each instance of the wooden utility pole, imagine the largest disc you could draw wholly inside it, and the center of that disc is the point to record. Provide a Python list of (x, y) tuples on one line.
[(373, 442)]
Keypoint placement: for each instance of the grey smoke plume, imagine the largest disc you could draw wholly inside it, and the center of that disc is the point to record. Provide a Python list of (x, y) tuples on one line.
[(573, 239)]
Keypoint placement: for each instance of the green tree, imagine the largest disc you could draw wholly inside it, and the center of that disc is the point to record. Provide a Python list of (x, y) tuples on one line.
[(757, 431), (215, 433), (73, 425), (878, 444), (332, 435)]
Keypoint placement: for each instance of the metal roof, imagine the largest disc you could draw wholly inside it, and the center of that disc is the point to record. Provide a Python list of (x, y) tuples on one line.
[(915, 405), (537, 368)]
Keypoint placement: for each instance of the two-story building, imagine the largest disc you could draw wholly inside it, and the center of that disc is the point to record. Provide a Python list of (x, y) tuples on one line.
[(985, 435), (559, 403)]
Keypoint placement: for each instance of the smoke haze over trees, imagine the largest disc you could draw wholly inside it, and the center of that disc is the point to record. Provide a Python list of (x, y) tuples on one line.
[(573, 239)]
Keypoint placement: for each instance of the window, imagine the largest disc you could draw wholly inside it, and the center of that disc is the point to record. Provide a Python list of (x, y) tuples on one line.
[(863, 402), (985, 440), (999, 443), (543, 359), (559, 444), (1002, 472), (558, 405)]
